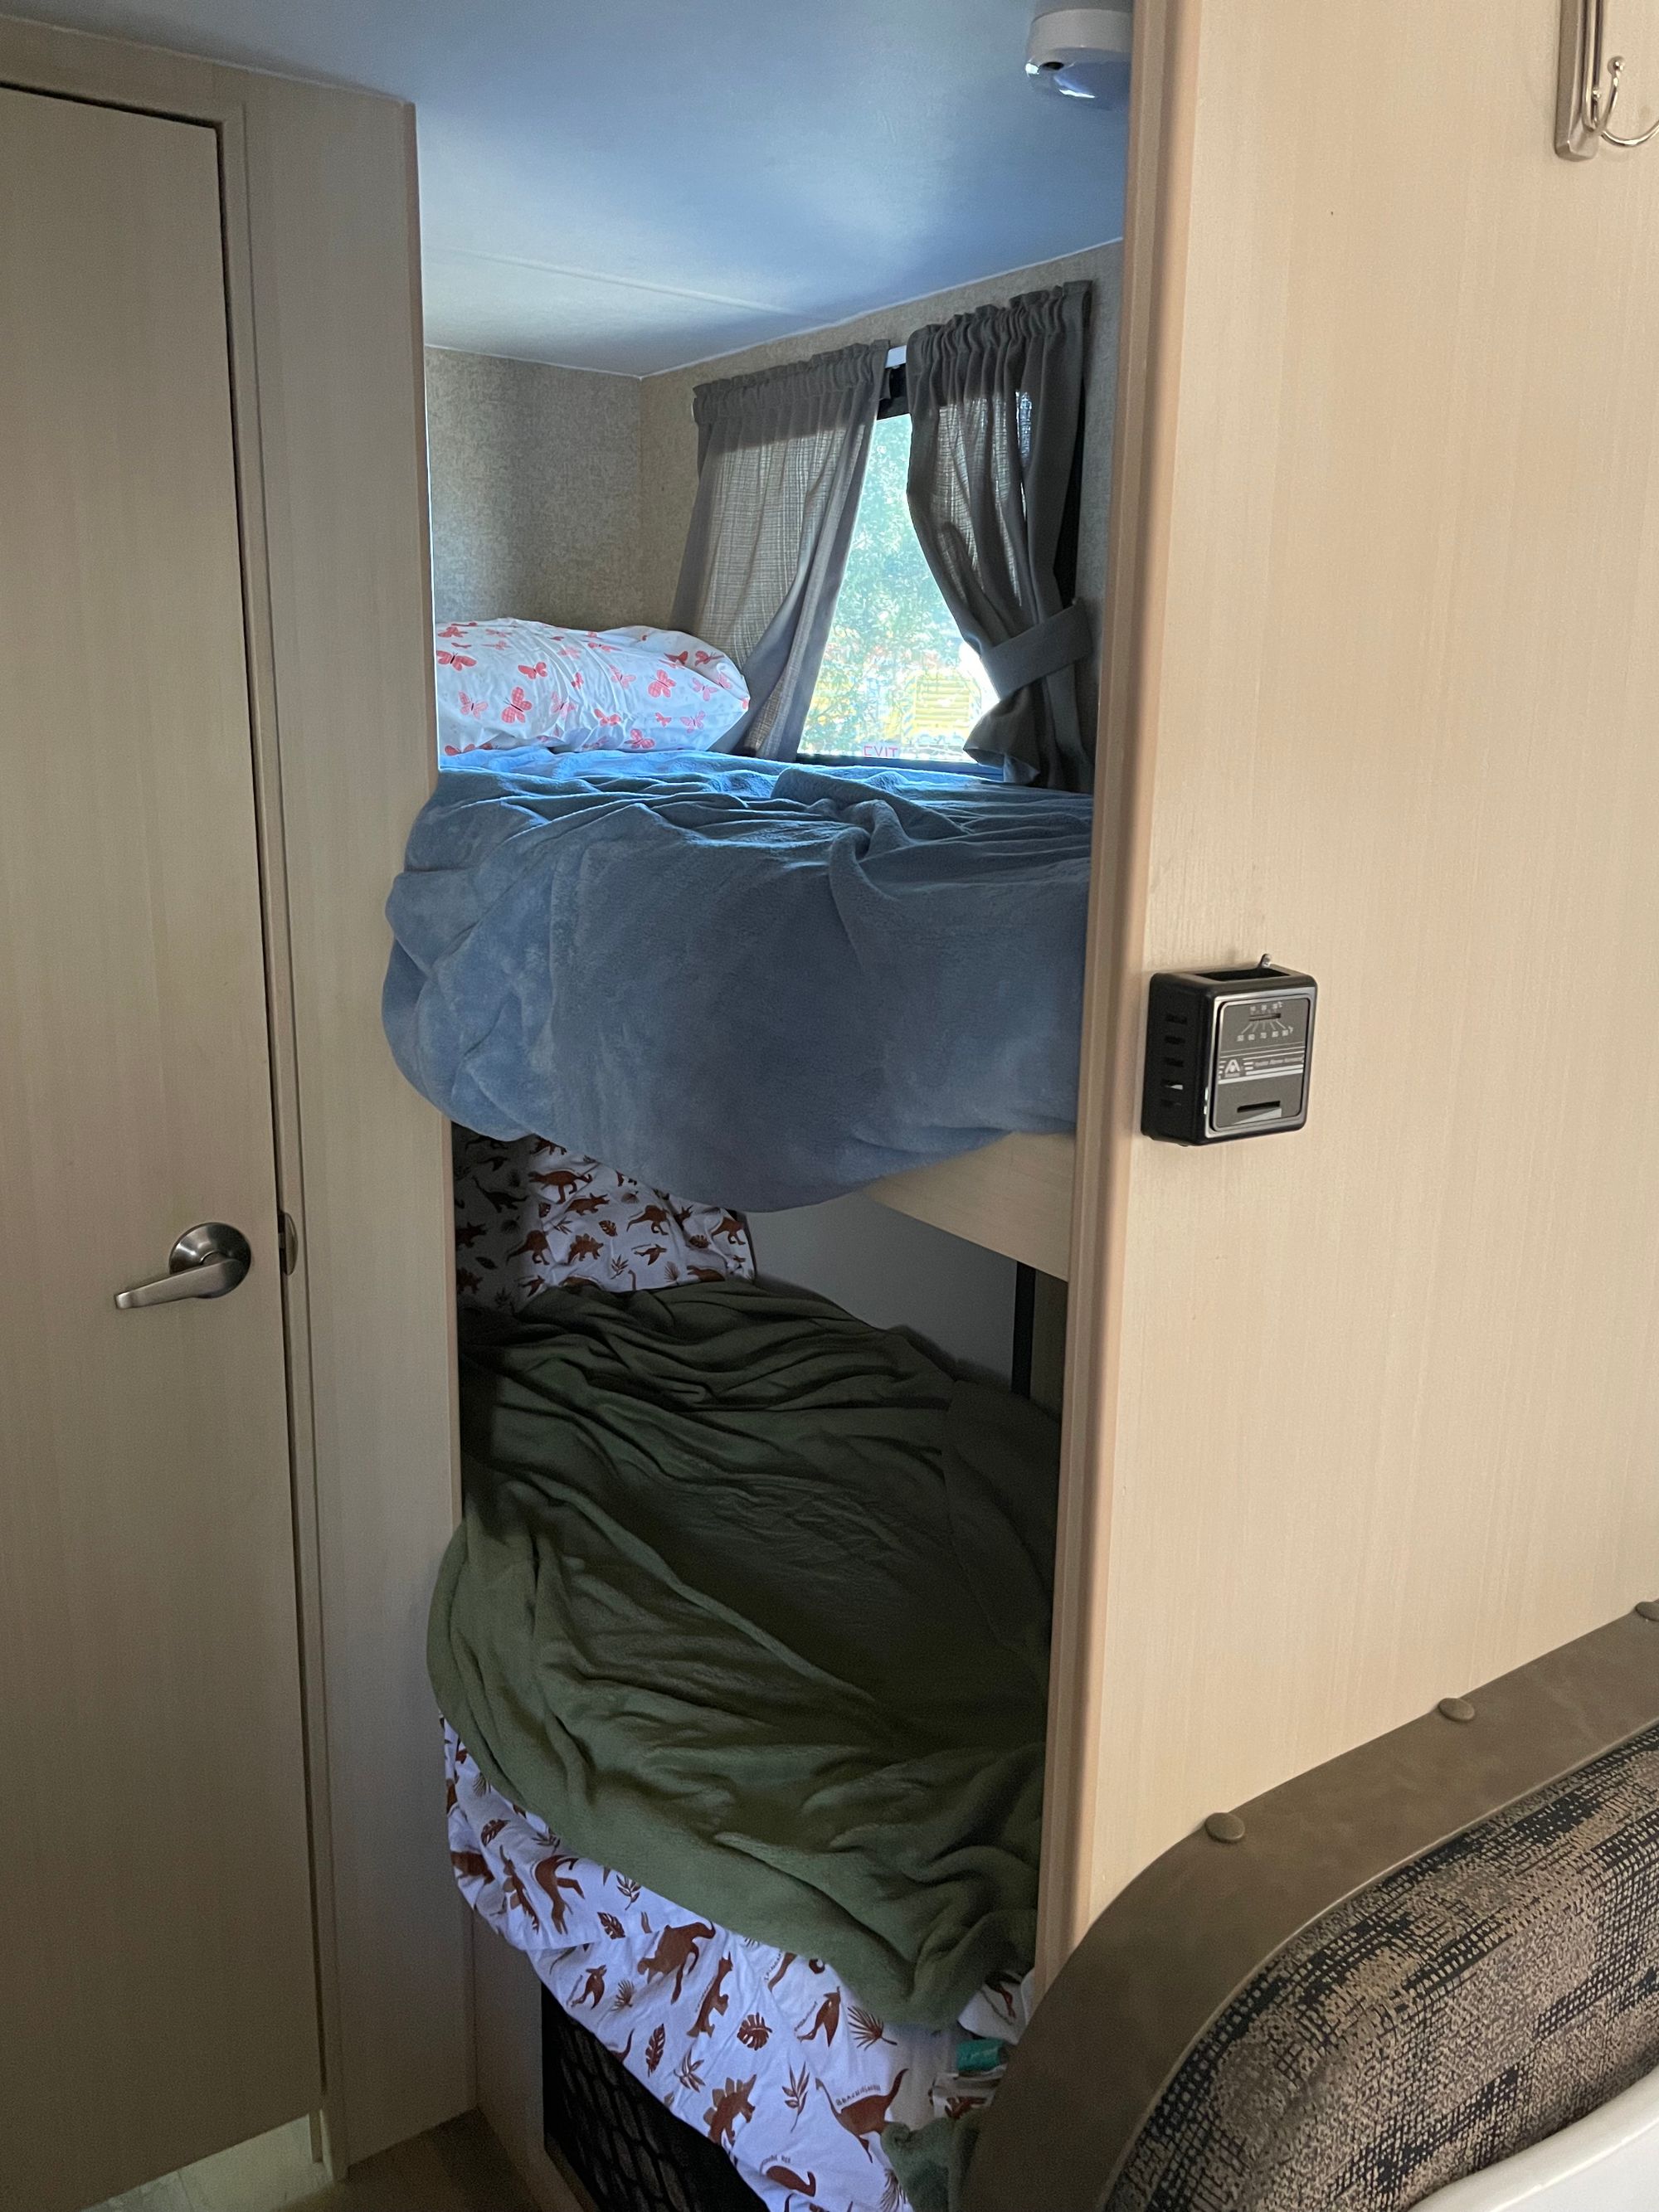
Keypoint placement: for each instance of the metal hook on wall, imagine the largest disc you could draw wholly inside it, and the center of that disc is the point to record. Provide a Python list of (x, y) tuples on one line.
[(1584, 106)]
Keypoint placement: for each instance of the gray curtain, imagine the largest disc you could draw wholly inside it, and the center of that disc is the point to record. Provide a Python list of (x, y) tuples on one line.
[(780, 461), (996, 413)]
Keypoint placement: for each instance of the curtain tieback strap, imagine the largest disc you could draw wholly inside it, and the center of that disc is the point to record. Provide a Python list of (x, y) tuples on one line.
[(1042, 650)]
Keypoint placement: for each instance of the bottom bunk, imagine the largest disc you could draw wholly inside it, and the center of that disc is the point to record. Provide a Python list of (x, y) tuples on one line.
[(628, 2151), (742, 1649), (768, 2056)]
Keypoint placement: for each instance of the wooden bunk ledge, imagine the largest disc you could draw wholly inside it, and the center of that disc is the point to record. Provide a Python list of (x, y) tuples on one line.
[(1014, 1196)]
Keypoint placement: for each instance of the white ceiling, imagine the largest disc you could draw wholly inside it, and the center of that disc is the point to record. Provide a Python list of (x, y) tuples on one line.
[(633, 185)]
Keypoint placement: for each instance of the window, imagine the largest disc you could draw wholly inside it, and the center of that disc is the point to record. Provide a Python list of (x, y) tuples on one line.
[(897, 683)]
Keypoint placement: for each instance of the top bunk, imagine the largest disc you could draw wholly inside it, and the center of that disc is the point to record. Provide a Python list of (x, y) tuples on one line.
[(753, 982), (789, 900)]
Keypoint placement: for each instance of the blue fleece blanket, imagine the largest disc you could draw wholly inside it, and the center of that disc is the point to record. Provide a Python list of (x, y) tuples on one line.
[(746, 982)]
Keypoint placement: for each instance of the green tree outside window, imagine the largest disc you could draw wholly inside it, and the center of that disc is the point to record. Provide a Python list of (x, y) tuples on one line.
[(896, 683)]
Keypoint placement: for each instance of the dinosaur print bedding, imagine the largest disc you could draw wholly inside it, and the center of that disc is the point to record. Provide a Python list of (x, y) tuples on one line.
[(771, 2056), (529, 1215)]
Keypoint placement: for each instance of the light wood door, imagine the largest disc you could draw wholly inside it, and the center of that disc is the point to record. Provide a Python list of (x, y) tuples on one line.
[(158, 1990)]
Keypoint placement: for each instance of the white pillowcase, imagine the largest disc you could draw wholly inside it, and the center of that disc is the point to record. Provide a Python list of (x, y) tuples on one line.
[(509, 684)]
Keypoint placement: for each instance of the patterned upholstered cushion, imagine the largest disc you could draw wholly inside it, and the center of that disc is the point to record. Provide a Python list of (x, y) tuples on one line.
[(1489, 1993)]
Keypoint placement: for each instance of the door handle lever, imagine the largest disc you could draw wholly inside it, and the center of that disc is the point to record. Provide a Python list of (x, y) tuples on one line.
[(207, 1262)]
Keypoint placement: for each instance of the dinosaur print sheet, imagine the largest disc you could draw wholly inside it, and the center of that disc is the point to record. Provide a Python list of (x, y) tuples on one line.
[(529, 1215), (770, 2056)]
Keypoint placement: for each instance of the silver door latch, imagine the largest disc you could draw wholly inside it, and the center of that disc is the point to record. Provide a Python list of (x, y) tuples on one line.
[(208, 1262)]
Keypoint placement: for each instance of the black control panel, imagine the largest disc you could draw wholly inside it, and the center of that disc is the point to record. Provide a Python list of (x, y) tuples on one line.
[(1228, 1053)]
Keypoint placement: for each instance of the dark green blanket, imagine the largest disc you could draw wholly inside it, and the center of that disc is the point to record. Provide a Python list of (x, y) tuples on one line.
[(752, 1601)]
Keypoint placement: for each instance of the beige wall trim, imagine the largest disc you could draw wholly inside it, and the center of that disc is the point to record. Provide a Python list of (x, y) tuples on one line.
[(324, 312), (285, 1077), (1110, 1082), (1197, 1925), (338, 305), (1014, 1196)]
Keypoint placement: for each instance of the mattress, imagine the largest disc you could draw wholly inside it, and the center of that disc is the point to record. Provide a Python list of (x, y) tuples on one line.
[(770, 2056), (755, 984)]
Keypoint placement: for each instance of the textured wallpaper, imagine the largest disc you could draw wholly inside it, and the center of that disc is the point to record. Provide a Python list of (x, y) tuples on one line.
[(535, 490)]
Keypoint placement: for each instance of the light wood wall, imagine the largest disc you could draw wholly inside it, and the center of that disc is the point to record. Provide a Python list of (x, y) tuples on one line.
[(1372, 1411)]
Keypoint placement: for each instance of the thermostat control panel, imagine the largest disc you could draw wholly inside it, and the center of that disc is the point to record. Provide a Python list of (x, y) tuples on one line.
[(1228, 1053)]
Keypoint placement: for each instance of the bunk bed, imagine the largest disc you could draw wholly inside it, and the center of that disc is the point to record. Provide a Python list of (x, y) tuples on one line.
[(778, 1858), (741, 1644), (757, 984), (788, 1881), (630, 920)]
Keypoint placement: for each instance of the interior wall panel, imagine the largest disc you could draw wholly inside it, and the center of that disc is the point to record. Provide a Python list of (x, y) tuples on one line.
[(1378, 1403), (336, 257)]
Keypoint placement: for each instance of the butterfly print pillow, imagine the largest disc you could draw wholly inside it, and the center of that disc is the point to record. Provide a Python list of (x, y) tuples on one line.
[(507, 683)]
